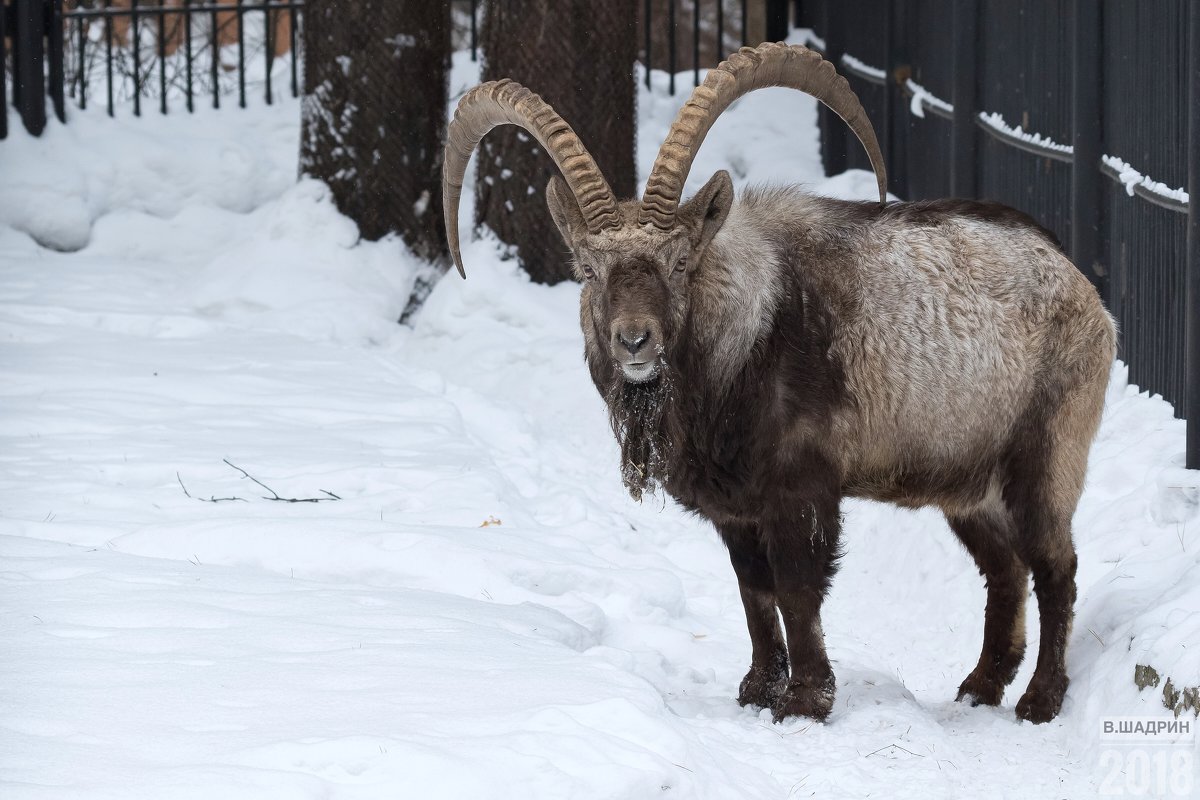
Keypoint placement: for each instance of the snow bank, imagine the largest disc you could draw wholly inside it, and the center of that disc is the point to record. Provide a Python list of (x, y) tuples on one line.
[(483, 612), (58, 184)]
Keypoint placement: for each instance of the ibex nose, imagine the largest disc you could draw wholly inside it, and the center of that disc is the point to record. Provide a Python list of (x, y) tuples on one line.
[(633, 341)]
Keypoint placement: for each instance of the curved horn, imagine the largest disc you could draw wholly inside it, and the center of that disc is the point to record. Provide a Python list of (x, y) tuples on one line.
[(746, 70), (507, 102)]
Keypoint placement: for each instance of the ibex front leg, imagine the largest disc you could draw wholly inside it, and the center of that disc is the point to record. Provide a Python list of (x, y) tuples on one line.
[(802, 547), (767, 678)]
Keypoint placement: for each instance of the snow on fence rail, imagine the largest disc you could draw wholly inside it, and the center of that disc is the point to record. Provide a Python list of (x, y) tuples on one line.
[(1143, 186), (864, 71), (1021, 139), (921, 99)]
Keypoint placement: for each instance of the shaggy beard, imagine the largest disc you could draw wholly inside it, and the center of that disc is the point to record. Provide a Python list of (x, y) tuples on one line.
[(638, 413)]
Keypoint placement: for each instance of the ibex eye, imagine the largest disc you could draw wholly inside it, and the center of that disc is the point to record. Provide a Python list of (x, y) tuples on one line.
[(681, 264), (589, 273)]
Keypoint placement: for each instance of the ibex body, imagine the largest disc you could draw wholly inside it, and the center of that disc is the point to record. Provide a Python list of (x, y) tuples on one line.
[(764, 357)]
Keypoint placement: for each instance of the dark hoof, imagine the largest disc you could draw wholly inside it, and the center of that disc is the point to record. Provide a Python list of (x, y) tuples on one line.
[(1041, 703), (761, 690), (800, 700), (763, 686), (980, 691)]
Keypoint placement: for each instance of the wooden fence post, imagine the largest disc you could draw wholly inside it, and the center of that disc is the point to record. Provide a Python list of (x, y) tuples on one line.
[(963, 142), (29, 78), (1191, 402), (1087, 138)]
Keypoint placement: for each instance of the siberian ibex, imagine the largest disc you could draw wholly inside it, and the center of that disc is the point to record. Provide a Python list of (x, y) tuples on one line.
[(764, 356)]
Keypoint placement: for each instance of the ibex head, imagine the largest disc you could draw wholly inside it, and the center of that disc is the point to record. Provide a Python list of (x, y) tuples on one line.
[(636, 259)]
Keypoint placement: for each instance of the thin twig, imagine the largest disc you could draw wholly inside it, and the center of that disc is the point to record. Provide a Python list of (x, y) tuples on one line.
[(275, 495), (898, 747), (213, 499)]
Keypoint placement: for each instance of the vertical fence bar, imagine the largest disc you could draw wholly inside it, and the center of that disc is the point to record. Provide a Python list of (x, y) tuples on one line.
[(30, 77), (898, 41), (834, 132), (55, 40), (161, 21), (887, 110), (696, 42), (474, 31), (649, 38), (215, 58), (108, 55), (137, 58), (292, 44), (777, 20), (1192, 286), (963, 142), (241, 45), (720, 30), (187, 52), (16, 51), (745, 26), (268, 45), (3, 73), (81, 42), (1087, 138), (671, 44)]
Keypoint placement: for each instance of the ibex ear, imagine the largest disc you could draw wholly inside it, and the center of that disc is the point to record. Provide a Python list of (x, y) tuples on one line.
[(565, 210), (705, 213)]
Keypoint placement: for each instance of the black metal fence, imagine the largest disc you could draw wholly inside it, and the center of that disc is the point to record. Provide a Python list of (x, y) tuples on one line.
[(170, 54), (692, 35), (1083, 113)]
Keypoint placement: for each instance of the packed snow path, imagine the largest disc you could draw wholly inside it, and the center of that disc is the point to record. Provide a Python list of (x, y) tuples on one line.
[(483, 612)]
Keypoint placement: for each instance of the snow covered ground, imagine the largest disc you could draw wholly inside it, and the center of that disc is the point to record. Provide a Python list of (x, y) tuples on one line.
[(482, 612)]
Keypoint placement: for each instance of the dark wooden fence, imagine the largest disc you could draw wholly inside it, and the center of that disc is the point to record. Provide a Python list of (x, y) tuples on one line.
[(1083, 113)]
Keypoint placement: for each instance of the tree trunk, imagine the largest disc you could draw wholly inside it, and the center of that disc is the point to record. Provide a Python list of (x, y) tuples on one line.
[(374, 114), (578, 55)]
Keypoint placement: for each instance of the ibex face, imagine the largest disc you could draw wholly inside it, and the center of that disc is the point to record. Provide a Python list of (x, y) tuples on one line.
[(635, 277)]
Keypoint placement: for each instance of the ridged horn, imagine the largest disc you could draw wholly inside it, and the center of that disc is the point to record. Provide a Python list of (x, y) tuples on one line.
[(507, 102), (748, 69)]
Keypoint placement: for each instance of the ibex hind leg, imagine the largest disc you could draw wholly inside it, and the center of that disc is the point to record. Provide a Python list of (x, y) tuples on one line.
[(988, 537), (1046, 473)]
